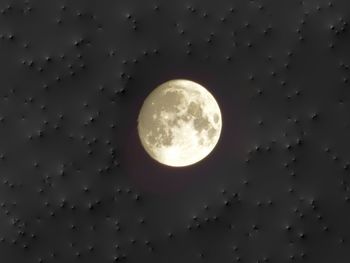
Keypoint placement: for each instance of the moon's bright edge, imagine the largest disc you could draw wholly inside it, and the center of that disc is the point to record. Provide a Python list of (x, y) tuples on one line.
[(179, 123)]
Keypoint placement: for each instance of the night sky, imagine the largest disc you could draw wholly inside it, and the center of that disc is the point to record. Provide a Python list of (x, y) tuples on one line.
[(76, 184)]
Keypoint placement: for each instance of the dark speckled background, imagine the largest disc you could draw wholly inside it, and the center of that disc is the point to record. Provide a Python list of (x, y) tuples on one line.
[(76, 185)]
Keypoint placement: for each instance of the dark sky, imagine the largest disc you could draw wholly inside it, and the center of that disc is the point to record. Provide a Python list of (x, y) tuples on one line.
[(76, 185)]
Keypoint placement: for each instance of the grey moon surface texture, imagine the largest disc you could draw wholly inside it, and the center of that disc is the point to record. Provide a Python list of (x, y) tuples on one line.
[(79, 184), (179, 123)]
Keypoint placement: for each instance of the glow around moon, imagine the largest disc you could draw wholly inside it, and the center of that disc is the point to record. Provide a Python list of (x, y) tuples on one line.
[(179, 123)]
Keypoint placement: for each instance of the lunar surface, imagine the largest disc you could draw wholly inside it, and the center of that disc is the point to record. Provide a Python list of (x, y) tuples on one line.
[(179, 123)]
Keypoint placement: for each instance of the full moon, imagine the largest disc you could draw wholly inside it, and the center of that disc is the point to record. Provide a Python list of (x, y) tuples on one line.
[(179, 123)]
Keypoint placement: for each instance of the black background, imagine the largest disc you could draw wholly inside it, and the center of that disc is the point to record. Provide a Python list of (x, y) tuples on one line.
[(76, 185)]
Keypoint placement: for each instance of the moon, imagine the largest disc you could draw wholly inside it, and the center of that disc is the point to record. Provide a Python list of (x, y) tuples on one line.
[(179, 123)]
